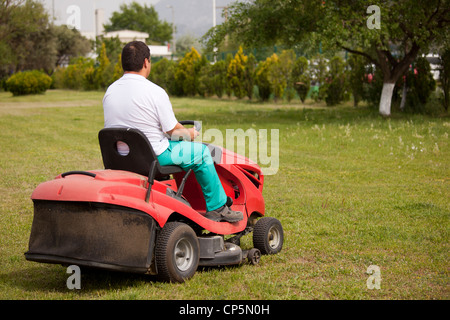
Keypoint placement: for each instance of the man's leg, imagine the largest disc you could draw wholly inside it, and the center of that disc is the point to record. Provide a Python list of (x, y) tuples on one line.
[(196, 156)]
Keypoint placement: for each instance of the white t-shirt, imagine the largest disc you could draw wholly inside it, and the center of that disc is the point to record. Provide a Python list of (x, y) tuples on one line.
[(135, 102)]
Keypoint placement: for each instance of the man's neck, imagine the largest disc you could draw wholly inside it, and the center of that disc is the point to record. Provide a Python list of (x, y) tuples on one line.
[(140, 73)]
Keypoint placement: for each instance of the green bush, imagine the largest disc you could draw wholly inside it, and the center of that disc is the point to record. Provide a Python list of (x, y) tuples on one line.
[(372, 86), (219, 79), (280, 74), (236, 74), (28, 82), (420, 84), (336, 82), (163, 74), (77, 76), (356, 77), (301, 78), (188, 72), (262, 79)]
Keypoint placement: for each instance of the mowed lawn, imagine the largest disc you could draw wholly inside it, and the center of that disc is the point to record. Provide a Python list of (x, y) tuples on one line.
[(352, 190)]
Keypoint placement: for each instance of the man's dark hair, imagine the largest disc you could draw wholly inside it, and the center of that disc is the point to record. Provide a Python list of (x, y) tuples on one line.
[(133, 55)]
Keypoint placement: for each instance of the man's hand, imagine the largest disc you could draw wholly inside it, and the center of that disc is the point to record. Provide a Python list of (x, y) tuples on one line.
[(183, 132)]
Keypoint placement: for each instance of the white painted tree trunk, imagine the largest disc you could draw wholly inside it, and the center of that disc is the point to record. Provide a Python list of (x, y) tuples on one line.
[(386, 98)]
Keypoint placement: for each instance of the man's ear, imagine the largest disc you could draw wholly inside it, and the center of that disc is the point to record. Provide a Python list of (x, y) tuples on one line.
[(147, 65)]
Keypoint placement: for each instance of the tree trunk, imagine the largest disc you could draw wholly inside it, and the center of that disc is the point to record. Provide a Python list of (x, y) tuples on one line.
[(392, 70), (386, 98), (404, 93)]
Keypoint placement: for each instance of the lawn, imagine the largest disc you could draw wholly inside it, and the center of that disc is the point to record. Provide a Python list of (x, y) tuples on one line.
[(352, 190)]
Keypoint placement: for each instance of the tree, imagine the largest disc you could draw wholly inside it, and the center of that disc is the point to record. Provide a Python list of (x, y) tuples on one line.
[(26, 40), (185, 43), (389, 34), (113, 47), (141, 18), (70, 44)]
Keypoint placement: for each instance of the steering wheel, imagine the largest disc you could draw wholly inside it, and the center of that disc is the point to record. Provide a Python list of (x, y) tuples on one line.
[(197, 125)]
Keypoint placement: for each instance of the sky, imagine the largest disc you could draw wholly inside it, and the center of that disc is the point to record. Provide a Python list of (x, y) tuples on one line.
[(65, 11), (80, 13)]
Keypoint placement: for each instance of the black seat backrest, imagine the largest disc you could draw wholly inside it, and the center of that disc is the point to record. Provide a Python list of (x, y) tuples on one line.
[(140, 156)]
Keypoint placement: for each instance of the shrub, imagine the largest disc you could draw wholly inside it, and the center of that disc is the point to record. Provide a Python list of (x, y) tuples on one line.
[(249, 81), (163, 74), (236, 73), (219, 72), (262, 79), (28, 82), (103, 74), (205, 87), (213, 79), (373, 85), (335, 90), (118, 70), (300, 77), (337, 82), (444, 76), (188, 73), (275, 77), (280, 74), (420, 84), (77, 75), (356, 77)]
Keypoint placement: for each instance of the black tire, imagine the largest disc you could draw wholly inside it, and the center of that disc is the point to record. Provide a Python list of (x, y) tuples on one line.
[(268, 235), (253, 256), (177, 252)]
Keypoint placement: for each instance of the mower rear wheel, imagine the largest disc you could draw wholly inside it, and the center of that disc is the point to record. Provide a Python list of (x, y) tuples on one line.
[(177, 252), (268, 235)]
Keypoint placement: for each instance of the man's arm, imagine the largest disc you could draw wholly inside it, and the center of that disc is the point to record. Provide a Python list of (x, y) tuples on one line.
[(181, 131)]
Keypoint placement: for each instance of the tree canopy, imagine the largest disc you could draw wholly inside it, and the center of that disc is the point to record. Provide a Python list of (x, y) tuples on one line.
[(29, 41), (405, 28), (140, 18)]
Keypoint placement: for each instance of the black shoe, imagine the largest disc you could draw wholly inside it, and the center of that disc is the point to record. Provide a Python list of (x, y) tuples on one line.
[(224, 214)]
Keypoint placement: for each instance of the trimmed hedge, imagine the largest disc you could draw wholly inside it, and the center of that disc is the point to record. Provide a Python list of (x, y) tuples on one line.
[(28, 82)]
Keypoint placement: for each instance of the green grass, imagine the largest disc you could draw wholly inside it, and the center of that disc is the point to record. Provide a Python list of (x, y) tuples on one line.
[(352, 190)]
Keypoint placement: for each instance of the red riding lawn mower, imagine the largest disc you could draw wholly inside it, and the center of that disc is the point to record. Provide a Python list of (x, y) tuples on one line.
[(138, 216)]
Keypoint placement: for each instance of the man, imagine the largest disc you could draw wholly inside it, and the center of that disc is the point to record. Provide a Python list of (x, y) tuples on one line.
[(135, 102)]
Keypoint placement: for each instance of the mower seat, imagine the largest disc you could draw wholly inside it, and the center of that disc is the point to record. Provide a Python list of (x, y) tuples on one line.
[(141, 158)]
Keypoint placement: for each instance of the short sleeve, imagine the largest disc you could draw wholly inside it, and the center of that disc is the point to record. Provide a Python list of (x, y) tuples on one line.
[(165, 113)]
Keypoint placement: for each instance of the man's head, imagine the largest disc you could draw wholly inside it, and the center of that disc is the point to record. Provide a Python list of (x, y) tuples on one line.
[(135, 56)]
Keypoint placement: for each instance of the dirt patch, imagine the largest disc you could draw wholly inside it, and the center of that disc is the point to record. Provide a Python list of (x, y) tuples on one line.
[(14, 107)]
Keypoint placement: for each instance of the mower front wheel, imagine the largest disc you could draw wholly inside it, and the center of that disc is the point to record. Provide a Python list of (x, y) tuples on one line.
[(177, 252), (268, 235)]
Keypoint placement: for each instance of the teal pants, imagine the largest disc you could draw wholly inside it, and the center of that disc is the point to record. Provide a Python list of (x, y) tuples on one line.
[(196, 156)]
